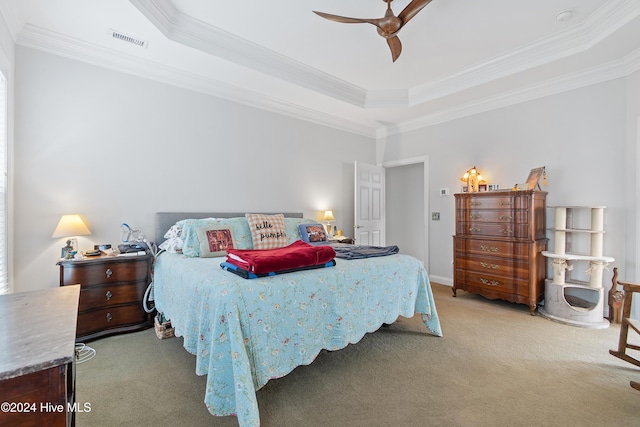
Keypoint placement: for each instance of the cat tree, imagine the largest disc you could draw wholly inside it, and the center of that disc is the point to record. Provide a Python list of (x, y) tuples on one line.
[(574, 302)]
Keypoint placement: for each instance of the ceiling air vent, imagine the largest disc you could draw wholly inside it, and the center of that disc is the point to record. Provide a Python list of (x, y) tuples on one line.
[(129, 39)]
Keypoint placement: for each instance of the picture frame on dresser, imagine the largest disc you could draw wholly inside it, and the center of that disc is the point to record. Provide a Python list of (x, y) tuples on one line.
[(534, 178)]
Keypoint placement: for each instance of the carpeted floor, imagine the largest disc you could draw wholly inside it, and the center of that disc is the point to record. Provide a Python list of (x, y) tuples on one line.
[(495, 366)]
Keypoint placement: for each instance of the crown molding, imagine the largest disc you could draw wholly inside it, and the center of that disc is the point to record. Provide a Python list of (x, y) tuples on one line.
[(603, 23), (183, 29), (57, 44), (194, 33), (612, 16), (594, 75)]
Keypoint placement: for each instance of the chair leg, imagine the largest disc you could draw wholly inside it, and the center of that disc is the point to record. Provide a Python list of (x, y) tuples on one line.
[(622, 355)]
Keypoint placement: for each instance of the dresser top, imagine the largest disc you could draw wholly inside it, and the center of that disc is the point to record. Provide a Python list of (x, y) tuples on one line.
[(38, 330)]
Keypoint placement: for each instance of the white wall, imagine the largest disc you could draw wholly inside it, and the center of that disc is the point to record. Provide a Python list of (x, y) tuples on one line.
[(118, 148), (580, 136)]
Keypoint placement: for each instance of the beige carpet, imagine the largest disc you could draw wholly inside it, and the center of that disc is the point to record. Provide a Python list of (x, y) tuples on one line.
[(495, 366)]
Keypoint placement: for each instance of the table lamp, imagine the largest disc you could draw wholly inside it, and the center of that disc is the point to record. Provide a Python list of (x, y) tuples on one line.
[(328, 216), (70, 226)]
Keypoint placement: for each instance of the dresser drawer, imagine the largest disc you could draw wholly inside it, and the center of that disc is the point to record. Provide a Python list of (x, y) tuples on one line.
[(106, 272), (498, 215), (506, 267), (504, 200), (492, 283), (110, 318), (495, 248), (109, 295), (492, 229)]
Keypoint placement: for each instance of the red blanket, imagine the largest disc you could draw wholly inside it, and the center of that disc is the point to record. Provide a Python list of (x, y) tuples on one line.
[(296, 255)]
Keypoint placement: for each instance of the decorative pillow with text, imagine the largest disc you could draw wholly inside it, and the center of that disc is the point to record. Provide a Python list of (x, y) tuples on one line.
[(267, 231)]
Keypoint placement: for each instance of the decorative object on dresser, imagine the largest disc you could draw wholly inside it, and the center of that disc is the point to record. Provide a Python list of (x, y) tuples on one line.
[(472, 180), (500, 236), (70, 226), (37, 363), (577, 302), (112, 291)]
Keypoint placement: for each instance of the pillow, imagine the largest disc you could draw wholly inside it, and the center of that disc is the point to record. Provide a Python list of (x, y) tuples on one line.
[(313, 233), (292, 228), (174, 242), (214, 241), (267, 231), (239, 230)]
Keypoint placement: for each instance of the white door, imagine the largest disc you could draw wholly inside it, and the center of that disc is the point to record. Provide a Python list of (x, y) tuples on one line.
[(369, 205)]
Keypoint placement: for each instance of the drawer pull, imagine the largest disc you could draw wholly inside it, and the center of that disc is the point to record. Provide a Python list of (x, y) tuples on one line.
[(506, 217), (109, 317), (109, 272), (475, 229), (487, 265), (475, 203), (489, 282), (488, 248), (108, 295), (476, 216), (506, 231), (505, 202)]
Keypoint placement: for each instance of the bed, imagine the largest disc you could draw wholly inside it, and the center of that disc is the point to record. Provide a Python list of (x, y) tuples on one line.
[(246, 332)]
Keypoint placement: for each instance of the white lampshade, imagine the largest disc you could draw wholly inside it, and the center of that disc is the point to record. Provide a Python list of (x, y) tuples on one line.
[(328, 216), (71, 225)]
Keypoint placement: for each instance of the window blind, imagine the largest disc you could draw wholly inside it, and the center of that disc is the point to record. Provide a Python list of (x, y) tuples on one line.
[(4, 271)]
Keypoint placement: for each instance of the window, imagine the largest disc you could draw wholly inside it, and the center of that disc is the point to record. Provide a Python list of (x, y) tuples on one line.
[(4, 273)]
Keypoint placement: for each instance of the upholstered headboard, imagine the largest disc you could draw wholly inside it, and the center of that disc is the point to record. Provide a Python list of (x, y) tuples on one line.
[(164, 220)]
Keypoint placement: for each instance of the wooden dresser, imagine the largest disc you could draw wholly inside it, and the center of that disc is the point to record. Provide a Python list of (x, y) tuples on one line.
[(37, 360), (498, 243), (112, 290)]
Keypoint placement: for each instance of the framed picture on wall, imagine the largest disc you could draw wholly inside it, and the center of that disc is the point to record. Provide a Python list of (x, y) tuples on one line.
[(534, 177)]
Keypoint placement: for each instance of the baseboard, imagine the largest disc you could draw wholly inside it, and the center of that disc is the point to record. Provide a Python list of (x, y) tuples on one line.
[(448, 281)]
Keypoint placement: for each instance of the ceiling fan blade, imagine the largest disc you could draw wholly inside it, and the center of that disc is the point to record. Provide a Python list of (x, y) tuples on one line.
[(345, 19), (412, 10), (395, 46)]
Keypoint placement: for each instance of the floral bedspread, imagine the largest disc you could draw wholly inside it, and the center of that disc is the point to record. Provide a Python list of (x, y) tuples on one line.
[(245, 332)]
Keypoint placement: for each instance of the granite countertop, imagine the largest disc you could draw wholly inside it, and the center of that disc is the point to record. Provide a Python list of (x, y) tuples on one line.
[(38, 330)]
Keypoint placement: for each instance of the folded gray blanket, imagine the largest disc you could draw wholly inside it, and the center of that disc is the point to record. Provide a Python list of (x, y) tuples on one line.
[(346, 251)]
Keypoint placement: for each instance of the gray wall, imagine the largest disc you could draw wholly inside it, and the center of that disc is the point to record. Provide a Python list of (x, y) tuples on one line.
[(580, 136), (405, 209), (117, 148)]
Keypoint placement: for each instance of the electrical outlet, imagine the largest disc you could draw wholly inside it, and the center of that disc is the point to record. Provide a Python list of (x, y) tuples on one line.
[(435, 216), (444, 191)]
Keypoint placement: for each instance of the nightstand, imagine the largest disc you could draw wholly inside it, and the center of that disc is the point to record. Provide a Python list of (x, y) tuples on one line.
[(111, 293), (341, 239)]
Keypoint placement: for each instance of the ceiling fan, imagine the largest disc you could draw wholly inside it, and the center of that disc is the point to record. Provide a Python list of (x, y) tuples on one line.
[(388, 26)]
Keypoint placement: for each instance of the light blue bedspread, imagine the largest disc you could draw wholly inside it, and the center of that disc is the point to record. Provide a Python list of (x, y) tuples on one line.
[(245, 332)]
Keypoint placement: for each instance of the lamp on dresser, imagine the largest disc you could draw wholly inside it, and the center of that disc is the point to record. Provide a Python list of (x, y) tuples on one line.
[(472, 179), (70, 226)]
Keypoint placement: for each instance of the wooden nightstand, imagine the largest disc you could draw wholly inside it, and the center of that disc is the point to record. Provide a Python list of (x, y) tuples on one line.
[(341, 239), (112, 289)]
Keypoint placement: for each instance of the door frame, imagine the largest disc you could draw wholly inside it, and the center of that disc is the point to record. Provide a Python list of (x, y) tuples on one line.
[(425, 177)]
